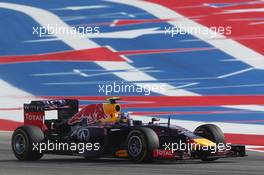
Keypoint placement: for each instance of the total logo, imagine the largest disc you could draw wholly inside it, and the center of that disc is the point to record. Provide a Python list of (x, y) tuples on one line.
[(163, 153), (33, 116)]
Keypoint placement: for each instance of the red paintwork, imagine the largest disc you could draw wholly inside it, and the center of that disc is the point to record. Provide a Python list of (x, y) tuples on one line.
[(166, 154), (94, 54), (34, 118)]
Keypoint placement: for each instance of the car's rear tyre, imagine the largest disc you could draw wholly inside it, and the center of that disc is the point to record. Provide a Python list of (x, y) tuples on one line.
[(22, 142), (140, 144), (212, 133)]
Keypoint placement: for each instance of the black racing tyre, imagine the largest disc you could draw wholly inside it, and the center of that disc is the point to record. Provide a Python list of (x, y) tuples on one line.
[(22, 142), (140, 144), (212, 133)]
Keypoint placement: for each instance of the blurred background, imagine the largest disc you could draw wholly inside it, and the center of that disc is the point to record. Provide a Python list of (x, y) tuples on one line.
[(91, 50)]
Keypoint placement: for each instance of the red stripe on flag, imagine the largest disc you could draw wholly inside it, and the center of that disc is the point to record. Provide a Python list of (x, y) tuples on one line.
[(138, 21), (191, 112), (173, 101), (94, 54), (9, 125), (157, 51), (245, 139)]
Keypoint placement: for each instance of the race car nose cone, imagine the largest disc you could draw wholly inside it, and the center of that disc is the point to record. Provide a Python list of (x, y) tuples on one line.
[(204, 142)]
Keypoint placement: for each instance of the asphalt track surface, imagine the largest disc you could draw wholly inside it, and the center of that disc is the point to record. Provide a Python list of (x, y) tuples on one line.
[(53, 164)]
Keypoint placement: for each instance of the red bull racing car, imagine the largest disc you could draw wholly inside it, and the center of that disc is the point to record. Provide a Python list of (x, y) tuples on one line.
[(102, 130)]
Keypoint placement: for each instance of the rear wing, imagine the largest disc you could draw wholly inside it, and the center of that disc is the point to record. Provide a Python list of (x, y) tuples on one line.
[(45, 105), (34, 112)]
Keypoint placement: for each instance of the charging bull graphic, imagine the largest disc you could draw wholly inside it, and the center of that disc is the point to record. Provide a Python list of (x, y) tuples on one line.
[(97, 113)]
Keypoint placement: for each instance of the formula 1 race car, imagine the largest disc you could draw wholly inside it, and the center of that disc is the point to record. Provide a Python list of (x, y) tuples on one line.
[(101, 130)]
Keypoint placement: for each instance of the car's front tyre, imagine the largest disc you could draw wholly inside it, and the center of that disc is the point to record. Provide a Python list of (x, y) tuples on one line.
[(140, 144), (213, 133)]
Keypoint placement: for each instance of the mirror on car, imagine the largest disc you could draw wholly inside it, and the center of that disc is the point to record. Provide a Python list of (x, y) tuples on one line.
[(155, 119)]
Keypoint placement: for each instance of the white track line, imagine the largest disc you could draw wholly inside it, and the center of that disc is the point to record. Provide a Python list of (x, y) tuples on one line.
[(45, 18), (236, 73), (251, 10), (88, 7)]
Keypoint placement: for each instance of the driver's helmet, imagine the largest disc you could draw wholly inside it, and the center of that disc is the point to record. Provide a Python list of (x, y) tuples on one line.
[(124, 117)]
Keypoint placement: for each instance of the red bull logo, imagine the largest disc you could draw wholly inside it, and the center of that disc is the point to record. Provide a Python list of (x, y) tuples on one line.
[(92, 114)]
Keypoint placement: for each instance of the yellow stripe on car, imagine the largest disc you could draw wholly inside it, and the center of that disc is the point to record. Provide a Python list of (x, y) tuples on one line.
[(121, 153), (204, 142)]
